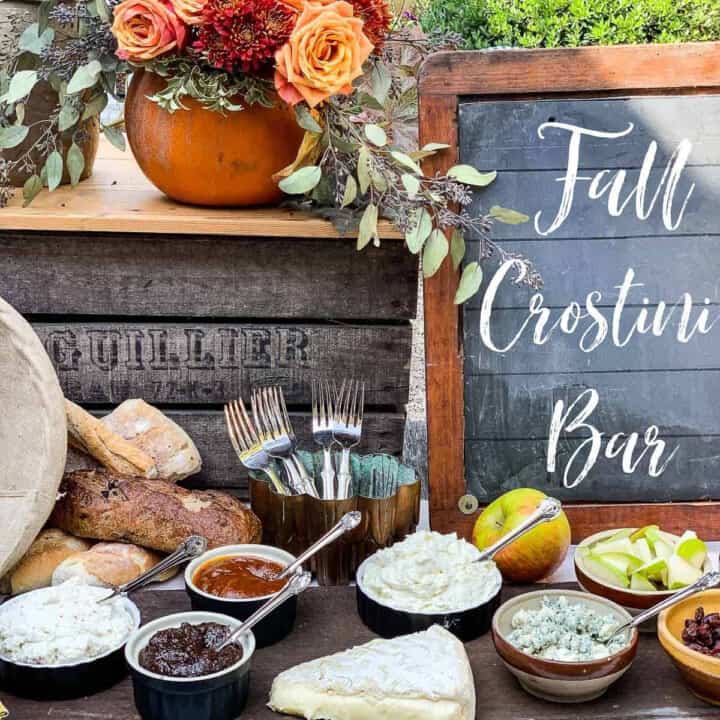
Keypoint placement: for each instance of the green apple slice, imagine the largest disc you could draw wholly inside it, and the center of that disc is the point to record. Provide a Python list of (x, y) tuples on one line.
[(653, 570), (662, 549), (669, 538), (693, 550), (642, 550), (621, 545), (681, 573), (642, 532), (639, 582), (620, 534), (606, 570)]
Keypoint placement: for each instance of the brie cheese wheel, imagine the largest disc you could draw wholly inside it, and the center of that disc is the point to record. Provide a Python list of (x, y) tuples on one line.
[(424, 676)]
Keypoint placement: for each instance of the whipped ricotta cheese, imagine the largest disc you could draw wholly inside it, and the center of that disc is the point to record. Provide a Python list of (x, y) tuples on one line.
[(430, 573), (560, 630), (63, 624)]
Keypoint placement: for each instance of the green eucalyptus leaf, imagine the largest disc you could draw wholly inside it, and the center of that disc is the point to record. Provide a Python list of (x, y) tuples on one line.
[(432, 147), (434, 252), (376, 135), (380, 81), (305, 119), (470, 282), (32, 40), (84, 77), (405, 161), (350, 193), (12, 136), (75, 163), (411, 184), (103, 10), (367, 101), (471, 176), (44, 14), (68, 116), (419, 232), (21, 84), (301, 181), (33, 185), (457, 248), (115, 137), (19, 113), (94, 107), (505, 215), (368, 227), (378, 181), (363, 169), (54, 168)]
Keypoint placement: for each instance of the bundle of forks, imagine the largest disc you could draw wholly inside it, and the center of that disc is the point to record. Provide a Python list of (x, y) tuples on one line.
[(268, 435)]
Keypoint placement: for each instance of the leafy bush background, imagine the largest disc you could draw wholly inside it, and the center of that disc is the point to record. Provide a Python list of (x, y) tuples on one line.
[(572, 23)]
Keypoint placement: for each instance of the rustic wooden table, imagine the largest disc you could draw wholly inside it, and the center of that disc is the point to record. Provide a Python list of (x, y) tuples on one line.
[(328, 622)]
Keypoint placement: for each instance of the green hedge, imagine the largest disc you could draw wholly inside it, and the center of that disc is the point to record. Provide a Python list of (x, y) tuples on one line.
[(571, 23)]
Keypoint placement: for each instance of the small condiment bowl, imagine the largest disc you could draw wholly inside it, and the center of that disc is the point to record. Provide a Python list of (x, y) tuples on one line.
[(220, 696), (700, 672), (388, 622), (559, 680), (64, 681), (277, 625)]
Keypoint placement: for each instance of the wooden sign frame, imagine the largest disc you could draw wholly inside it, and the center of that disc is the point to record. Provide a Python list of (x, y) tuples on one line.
[(683, 69)]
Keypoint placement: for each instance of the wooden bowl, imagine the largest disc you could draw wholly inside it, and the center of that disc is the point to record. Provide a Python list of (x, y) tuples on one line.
[(557, 680), (633, 601), (700, 672)]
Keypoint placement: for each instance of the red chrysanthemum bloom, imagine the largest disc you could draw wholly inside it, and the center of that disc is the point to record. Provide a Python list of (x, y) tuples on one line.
[(377, 16), (244, 34)]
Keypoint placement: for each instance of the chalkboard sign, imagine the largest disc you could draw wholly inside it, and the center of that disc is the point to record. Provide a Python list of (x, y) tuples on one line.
[(603, 386)]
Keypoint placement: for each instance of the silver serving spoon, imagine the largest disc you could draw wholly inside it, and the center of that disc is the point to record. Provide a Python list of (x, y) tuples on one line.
[(193, 547), (349, 521), (295, 586), (548, 509), (709, 580)]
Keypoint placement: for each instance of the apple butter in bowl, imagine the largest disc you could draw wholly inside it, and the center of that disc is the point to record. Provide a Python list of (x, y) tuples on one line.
[(239, 577)]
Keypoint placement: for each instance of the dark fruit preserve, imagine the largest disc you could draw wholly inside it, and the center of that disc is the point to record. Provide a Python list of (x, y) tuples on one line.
[(239, 577), (189, 651)]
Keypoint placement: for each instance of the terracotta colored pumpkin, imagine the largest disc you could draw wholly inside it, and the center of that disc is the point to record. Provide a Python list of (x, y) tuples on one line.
[(201, 157)]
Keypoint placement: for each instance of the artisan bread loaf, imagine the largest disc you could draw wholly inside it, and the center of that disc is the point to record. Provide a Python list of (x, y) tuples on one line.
[(153, 513), (111, 450), (109, 565), (36, 568), (149, 430)]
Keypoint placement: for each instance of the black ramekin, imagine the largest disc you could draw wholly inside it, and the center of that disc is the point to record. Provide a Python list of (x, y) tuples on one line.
[(277, 625), (390, 622), (65, 681), (220, 696)]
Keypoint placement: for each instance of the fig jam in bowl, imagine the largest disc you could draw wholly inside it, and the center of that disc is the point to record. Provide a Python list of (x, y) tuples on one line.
[(176, 673), (236, 580)]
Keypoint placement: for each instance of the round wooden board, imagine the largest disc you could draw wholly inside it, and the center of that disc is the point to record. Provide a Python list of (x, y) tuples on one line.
[(33, 436)]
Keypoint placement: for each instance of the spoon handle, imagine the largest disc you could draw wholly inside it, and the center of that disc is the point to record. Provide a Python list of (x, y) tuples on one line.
[(347, 522), (295, 586), (548, 509), (708, 580), (194, 546)]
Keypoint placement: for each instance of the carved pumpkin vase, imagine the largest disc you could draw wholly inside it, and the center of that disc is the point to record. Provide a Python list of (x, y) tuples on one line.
[(202, 157)]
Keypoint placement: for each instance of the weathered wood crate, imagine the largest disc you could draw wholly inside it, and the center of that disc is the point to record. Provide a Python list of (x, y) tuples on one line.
[(134, 296)]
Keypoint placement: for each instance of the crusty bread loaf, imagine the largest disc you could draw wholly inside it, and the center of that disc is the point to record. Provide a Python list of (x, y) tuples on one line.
[(109, 565), (36, 568), (152, 513), (171, 448), (87, 433)]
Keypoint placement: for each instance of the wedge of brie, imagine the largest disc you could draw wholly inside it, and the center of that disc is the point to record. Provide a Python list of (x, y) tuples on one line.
[(424, 676)]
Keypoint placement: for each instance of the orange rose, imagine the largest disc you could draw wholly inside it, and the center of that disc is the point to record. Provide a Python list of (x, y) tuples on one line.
[(145, 29), (190, 11), (324, 54)]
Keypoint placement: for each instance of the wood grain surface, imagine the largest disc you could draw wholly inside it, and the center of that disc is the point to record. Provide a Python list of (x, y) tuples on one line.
[(328, 622), (118, 198)]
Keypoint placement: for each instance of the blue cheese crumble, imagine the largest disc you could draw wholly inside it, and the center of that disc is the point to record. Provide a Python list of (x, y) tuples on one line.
[(560, 630)]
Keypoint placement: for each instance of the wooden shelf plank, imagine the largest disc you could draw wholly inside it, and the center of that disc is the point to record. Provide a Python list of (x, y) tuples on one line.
[(118, 198)]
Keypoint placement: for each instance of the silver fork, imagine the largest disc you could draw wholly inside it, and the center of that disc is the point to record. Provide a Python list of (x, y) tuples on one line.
[(278, 438), (247, 445), (322, 414), (347, 428)]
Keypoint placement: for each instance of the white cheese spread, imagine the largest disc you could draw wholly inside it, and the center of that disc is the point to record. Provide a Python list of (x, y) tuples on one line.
[(430, 573), (63, 625), (559, 630)]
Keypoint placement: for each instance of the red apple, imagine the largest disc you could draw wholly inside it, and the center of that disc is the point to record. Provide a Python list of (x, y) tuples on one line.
[(532, 556)]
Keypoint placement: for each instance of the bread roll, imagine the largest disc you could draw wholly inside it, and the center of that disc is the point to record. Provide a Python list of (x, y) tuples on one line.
[(87, 433), (152, 513), (149, 430), (36, 568), (109, 565)]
